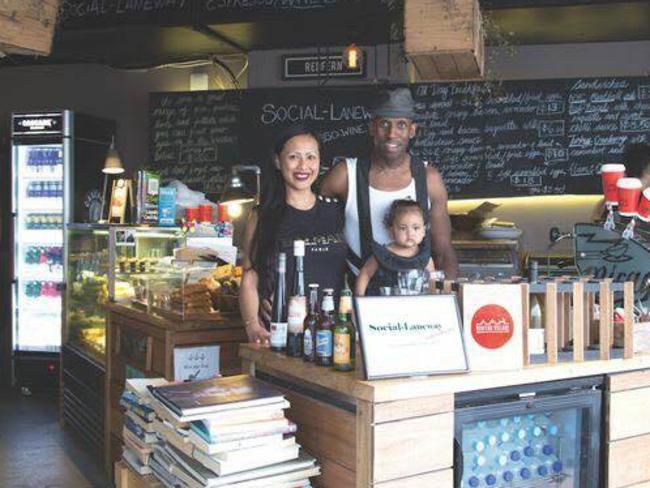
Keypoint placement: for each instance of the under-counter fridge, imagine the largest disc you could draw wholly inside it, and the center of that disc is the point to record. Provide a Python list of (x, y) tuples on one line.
[(530, 436), (57, 161)]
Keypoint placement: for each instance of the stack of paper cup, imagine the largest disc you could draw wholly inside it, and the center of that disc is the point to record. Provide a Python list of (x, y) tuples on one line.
[(629, 191), (643, 212), (611, 173)]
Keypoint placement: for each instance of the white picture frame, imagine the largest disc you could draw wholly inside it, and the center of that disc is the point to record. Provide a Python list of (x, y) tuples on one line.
[(403, 336)]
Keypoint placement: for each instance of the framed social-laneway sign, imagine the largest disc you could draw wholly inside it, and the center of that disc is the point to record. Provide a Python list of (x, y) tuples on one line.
[(410, 336)]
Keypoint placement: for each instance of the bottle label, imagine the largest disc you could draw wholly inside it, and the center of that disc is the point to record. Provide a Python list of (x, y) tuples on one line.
[(345, 304), (341, 348), (308, 345), (297, 313), (328, 304), (278, 334), (324, 343)]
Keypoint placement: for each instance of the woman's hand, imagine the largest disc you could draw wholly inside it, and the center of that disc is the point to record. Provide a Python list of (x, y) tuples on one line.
[(256, 332)]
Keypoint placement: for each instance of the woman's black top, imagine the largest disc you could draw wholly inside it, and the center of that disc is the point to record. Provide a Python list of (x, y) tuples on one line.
[(321, 227), (390, 264)]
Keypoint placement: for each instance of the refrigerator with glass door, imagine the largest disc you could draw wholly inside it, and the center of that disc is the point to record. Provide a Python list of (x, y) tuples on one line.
[(57, 157)]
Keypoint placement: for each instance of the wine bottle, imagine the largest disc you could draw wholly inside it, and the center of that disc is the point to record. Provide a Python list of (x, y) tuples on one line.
[(297, 303), (279, 311)]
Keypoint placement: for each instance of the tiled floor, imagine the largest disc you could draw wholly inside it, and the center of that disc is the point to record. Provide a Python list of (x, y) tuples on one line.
[(35, 452)]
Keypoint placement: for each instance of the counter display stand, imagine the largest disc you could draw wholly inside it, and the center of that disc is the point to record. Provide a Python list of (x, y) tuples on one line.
[(142, 344)]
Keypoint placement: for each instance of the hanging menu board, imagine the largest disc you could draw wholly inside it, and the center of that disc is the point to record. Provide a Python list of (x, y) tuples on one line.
[(487, 139)]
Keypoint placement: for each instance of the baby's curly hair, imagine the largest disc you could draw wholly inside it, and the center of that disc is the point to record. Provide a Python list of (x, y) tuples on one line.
[(401, 207)]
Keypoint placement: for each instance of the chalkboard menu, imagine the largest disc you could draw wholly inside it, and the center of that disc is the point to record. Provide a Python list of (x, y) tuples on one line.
[(194, 137), (487, 139)]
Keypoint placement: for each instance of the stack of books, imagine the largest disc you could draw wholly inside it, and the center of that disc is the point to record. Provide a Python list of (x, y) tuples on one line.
[(226, 432), (138, 432)]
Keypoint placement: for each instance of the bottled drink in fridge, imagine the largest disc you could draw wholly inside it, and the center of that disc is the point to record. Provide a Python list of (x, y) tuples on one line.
[(297, 303), (278, 338), (324, 330), (311, 322)]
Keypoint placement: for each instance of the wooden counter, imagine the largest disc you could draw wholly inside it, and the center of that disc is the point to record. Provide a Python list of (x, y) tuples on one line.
[(145, 343), (399, 433)]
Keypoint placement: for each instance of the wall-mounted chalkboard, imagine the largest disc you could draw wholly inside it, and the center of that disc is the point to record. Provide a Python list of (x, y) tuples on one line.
[(506, 139)]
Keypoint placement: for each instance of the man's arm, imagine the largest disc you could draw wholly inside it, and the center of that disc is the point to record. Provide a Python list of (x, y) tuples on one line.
[(335, 182), (443, 252)]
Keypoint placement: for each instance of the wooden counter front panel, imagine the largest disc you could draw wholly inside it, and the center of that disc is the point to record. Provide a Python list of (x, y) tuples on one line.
[(414, 446), (439, 479), (629, 413), (327, 432), (628, 462), (627, 423)]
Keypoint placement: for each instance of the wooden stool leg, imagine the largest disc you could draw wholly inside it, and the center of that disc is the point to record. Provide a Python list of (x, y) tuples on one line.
[(578, 322), (561, 338), (588, 314), (605, 330), (525, 316), (628, 327), (551, 322)]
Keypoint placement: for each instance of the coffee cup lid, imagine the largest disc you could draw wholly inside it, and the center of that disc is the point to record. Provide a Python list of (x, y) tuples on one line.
[(612, 168), (629, 183)]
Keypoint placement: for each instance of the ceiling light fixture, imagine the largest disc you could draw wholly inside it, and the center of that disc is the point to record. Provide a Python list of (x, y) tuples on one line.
[(352, 56)]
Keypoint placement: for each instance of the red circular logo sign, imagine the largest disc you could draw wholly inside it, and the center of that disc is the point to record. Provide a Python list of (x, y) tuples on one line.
[(492, 326)]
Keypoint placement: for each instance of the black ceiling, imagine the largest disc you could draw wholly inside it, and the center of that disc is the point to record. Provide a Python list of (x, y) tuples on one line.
[(188, 30)]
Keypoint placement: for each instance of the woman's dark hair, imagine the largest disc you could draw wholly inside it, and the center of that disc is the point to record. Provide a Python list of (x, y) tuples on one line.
[(273, 196), (636, 158), (399, 208)]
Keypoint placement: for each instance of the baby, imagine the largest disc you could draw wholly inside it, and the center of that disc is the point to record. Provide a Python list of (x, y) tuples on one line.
[(406, 223)]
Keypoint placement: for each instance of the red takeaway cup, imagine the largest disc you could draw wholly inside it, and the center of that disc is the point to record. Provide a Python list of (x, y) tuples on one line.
[(643, 211), (192, 214), (629, 191), (205, 213), (611, 173)]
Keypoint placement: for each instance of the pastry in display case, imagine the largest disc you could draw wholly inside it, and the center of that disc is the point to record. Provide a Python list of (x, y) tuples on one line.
[(87, 289), (192, 291), (137, 254)]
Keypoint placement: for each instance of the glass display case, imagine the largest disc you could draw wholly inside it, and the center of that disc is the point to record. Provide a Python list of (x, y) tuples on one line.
[(108, 263), (136, 255), (183, 291), (87, 288)]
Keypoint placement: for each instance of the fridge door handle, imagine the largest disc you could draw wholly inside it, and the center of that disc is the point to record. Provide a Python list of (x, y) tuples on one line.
[(458, 463)]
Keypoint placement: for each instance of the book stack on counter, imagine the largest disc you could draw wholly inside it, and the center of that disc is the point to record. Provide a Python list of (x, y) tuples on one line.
[(226, 432), (138, 432)]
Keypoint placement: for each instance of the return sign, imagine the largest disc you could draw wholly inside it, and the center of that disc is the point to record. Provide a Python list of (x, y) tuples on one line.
[(313, 66)]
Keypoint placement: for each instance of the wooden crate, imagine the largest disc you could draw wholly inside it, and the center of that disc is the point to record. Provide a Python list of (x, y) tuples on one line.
[(444, 39), (27, 27)]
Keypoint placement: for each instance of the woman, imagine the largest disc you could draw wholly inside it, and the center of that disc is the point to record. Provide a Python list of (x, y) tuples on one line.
[(289, 210)]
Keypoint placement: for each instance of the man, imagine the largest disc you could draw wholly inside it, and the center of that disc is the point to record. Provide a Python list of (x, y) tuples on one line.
[(370, 185)]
